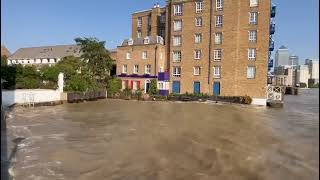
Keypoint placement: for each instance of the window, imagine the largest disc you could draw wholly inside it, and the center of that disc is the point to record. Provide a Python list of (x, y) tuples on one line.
[(148, 69), (251, 72), (163, 18), (198, 38), (252, 36), (139, 34), (149, 20), (177, 41), (176, 71), (161, 85), (218, 38), (219, 5), (139, 21), (217, 54), (197, 54), (251, 54), (162, 33), (217, 71), (199, 6), (177, 11), (146, 40), (196, 70), (253, 3), (144, 55), (130, 42), (136, 69), (199, 21), (125, 69), (177, 25), (218, 21), (128, 55), (177, 56), (253, 19)]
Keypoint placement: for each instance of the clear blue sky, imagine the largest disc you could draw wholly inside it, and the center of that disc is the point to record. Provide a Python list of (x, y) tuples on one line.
[(27, 23)]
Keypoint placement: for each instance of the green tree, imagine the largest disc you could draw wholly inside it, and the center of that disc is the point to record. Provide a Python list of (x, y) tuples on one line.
[(27, 77), (153, 87), (96, 58), (70, 66), (114, 86), (4, 59)]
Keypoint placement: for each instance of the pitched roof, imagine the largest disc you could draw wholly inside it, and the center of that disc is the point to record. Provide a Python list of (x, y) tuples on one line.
[(283, 47), (5, 51), (58, 51)]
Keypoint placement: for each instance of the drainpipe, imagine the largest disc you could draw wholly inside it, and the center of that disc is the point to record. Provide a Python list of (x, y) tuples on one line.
[(210, 41), (155, 60)]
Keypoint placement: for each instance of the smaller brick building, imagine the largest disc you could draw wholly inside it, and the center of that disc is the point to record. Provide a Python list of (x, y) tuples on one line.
[(139, 61)]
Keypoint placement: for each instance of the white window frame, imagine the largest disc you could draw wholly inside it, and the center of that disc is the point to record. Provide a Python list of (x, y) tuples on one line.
[(176, 71), (253, 18), (177, 10), (197, 54), (125, 69), (197, 70), (146, 40), (252, 54), (177, 42), (130, 42), (217, 54), (219, 5), (139, 23), (199, 6), (253, 36), (254, 3), (128, 55), (198, 21), (219, 21), (136, 69), (217, 72), (176, 24), (218, 40), (177, 56), (147, 69), (139, 34), (251, 72), (144, 55), (198, 38)]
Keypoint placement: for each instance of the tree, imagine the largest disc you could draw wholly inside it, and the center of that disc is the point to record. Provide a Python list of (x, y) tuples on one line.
[(97, 60), (4, 59), (154, 87), (70, 66)]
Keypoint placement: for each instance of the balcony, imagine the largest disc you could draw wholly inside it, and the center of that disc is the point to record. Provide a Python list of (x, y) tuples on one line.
[(272, 28), (273, 12), (271, 46), (270, 63)]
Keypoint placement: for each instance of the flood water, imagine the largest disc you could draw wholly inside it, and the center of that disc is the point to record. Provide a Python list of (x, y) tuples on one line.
[(129, 140)]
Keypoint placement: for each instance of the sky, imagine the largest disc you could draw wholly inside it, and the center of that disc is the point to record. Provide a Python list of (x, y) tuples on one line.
[(31, 23)]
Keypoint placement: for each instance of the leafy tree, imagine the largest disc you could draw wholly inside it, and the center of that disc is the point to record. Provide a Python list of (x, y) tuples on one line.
[(154, 87), (27, 77), (114, 86), (4, 59), (77, 84), (97, 60), (50, 73), (70, 66)]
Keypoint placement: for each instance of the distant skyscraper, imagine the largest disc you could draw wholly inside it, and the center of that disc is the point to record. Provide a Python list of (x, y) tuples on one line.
[(282, 56), (293, 60)]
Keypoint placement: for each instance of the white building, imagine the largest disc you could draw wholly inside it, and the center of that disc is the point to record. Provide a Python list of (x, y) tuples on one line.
[(303, 74), (315, 71), (45, 55)]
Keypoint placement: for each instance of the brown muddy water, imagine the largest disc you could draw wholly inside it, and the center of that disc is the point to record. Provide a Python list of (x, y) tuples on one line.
[(129, 140)]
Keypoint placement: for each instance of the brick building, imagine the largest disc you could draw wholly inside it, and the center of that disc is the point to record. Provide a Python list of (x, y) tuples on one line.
[(218, 47)]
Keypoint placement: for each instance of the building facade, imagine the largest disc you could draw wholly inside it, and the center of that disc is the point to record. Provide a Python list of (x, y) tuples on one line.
[(293, 60), (282, 56), (45, 55), (217, 47)]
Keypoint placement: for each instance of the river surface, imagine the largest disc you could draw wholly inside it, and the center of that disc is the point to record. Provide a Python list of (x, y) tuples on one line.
[(130, 140)]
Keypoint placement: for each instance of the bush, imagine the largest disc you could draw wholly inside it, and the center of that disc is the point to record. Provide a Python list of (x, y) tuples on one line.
[(77, 84), (153, 87), (247, 100), (113, 86)]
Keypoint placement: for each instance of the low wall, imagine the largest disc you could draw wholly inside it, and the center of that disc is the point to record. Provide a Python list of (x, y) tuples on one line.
[(21, 96)]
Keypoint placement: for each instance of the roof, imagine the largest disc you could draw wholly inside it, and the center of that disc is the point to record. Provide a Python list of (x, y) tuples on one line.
[(58, 51), (283, 47), (5, 51), (140, 41)]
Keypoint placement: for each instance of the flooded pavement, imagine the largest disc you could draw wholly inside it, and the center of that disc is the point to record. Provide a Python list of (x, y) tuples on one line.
[(129, 140)]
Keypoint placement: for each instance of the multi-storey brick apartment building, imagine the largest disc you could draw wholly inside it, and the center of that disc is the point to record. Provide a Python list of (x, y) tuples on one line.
[(219, 47)]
